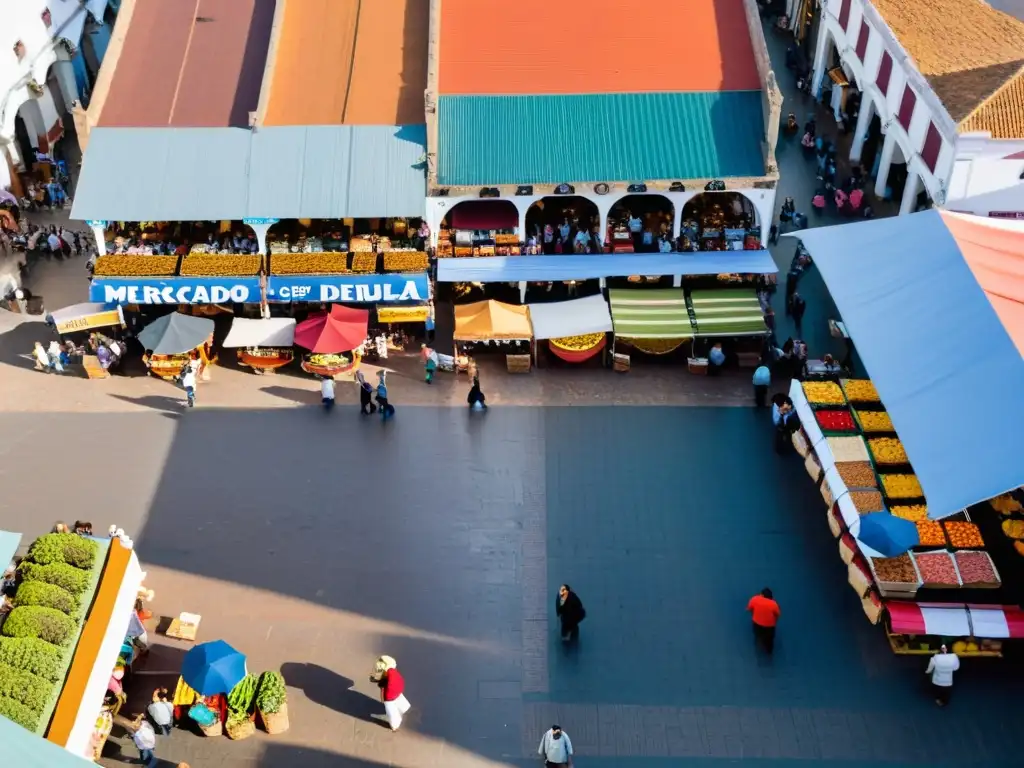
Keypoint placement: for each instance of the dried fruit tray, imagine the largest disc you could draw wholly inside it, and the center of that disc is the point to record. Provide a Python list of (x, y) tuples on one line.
[(964, 559), (896, 588), (937, 569)]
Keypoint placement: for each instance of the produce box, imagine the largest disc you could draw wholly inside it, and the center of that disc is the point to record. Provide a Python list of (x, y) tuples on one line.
[(823, 394), (903, 487), (848, 548), (887, 451), (873, 422), (859, 576), (867, 502), (930, 533), (915, 513), (813, 468), (872, 605), (848, 449), (835, 421), (895, 576), (977, 570), (859, 391), (937, 568), (800, 444), (963, 535), (857, 474)]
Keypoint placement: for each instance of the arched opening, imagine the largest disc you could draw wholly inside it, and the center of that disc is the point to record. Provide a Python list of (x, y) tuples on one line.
[(719, 221), (180, 237), (480, 228), (568, 224), (349, 235), (641, 224)]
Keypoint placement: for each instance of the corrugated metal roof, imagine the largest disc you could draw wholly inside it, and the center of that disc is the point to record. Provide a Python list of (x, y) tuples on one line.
[(594, 46), (203, 174), (613, 137)]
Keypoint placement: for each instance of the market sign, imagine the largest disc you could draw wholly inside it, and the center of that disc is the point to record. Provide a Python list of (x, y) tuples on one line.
[(259, 222), (403, 314), (353, 289), (176, 290), (110, 318)]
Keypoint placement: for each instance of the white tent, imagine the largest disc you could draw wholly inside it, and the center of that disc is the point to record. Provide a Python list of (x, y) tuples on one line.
[(268, 332), (570, 318)]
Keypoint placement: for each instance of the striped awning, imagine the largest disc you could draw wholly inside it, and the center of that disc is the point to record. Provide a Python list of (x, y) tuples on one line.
[(650, 314), (728, 312)]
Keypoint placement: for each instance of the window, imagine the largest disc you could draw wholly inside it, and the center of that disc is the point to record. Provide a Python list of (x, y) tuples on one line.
[(884, 73), (19, 50), (862, 40), (932, 147), (47, 18), (906, 112), (844, 14)]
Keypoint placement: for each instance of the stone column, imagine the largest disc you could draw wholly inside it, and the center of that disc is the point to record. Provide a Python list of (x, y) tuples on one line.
[(820, 55), (261, 231), (99, 234), (910, 192), (882, 181), (867, 111)]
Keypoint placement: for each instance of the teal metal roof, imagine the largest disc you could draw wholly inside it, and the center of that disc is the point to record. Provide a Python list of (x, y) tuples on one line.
[(489, 140)]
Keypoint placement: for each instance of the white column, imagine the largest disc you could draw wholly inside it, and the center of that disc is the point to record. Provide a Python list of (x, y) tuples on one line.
[(867, 110), (604, 207), (523, 204), (261, 231), (820, 55), (677, 281), (910, 192), (65, 72), (883, 168), (522, 292), (99, 234)]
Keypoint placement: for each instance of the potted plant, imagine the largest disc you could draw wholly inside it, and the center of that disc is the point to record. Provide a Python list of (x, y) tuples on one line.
[(272, 702)]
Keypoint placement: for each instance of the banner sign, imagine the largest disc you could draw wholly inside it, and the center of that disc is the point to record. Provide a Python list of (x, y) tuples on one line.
[(176, 290), (107, 319), (96, 223), (403, 314), (259, 222), (349, 289)]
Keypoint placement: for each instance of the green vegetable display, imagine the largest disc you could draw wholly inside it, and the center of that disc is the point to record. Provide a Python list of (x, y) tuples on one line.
[(241, 696), (47, 624), (74, 580), (25, 688), (33, 655), (64, 548), (272, 693), (47, 596), (19, 713)]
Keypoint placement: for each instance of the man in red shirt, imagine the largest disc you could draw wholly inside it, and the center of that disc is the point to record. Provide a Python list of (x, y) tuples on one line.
[(392, 691), (765, 612)]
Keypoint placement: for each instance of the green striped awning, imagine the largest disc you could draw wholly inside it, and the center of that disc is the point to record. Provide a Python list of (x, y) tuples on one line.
[(653, 314), (728, 312)]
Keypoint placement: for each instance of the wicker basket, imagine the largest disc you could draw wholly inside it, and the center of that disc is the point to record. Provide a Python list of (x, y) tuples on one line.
[(275, 722), (216, 729), (240, 729)]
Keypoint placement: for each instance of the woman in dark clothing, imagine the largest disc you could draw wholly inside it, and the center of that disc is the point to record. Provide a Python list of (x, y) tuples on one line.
[(570, 612), (365, 395), (476, 396)]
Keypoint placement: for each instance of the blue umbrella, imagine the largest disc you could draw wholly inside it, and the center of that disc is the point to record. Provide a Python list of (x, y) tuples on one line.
[(887, 534), (212, 668)]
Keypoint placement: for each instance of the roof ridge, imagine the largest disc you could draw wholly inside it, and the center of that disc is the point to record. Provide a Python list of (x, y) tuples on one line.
[(1018, 75)]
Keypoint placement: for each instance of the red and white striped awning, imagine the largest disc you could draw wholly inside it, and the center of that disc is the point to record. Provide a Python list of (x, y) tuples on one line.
[(955, 620)]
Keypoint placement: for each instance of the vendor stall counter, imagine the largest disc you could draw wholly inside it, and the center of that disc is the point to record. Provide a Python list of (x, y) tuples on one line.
[(966, 629)]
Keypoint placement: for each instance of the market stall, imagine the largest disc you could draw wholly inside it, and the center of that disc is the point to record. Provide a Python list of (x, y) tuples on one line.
[(652, 321), (727, 312), (175, 339), (575, 330), (329, 336), (86, 316), (920, 628), (491, 322), (263, 345)]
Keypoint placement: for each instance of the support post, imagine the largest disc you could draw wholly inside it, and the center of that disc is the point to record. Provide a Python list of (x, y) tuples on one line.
[(888, 147), (99, 235), (910, 192), (860, 134), (522, 291)]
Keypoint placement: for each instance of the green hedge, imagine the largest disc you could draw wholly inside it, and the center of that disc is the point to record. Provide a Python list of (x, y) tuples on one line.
[(25, 688), (19, 713), (34, 655), (67, 548), (46, 595), (47, 624), (74, 580)]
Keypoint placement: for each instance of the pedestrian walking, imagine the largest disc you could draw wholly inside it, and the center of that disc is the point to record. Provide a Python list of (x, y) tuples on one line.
[(188, 383), (53, 352), (366, 406), (429, 357), (941, 667), (570, 611), (387, 410), (392, 691), (555, 748), (162, 711), (476, 398), (797, 308), (765, 613), (762, 379), (42, 359), (327, 392), (144, 738)]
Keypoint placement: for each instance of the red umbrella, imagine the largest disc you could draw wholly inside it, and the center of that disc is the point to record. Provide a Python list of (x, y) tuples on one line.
[(342, 330)]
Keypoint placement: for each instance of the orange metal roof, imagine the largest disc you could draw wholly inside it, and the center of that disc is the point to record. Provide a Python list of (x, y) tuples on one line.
[(346, 62), (594, 46)]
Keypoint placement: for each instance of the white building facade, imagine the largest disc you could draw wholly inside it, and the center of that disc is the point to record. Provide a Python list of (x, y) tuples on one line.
[(918, 129), (44, 72)]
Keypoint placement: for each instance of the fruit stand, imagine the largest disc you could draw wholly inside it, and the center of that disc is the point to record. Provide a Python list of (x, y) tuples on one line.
[(855, 457), (575, 330), (263, 345)]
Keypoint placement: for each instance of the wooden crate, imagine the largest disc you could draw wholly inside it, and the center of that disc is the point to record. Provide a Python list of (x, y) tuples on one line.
[(93, 369), (620, 363), (697, 365), (518, 363)]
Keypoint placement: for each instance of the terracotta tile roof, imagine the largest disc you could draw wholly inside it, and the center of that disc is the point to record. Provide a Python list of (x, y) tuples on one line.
[(1003, 114), (556, 47), (966, 49), (348, 62)]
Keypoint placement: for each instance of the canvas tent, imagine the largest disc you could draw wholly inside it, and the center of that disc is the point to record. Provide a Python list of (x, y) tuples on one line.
[(492, 320), (570, 318)]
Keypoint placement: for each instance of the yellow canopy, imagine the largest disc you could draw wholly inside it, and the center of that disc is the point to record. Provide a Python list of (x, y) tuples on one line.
[(486, 320)]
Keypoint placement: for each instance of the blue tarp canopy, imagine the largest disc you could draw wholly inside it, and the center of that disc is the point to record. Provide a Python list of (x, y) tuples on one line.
[(945, 367), (513, 269), (8, 547)]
